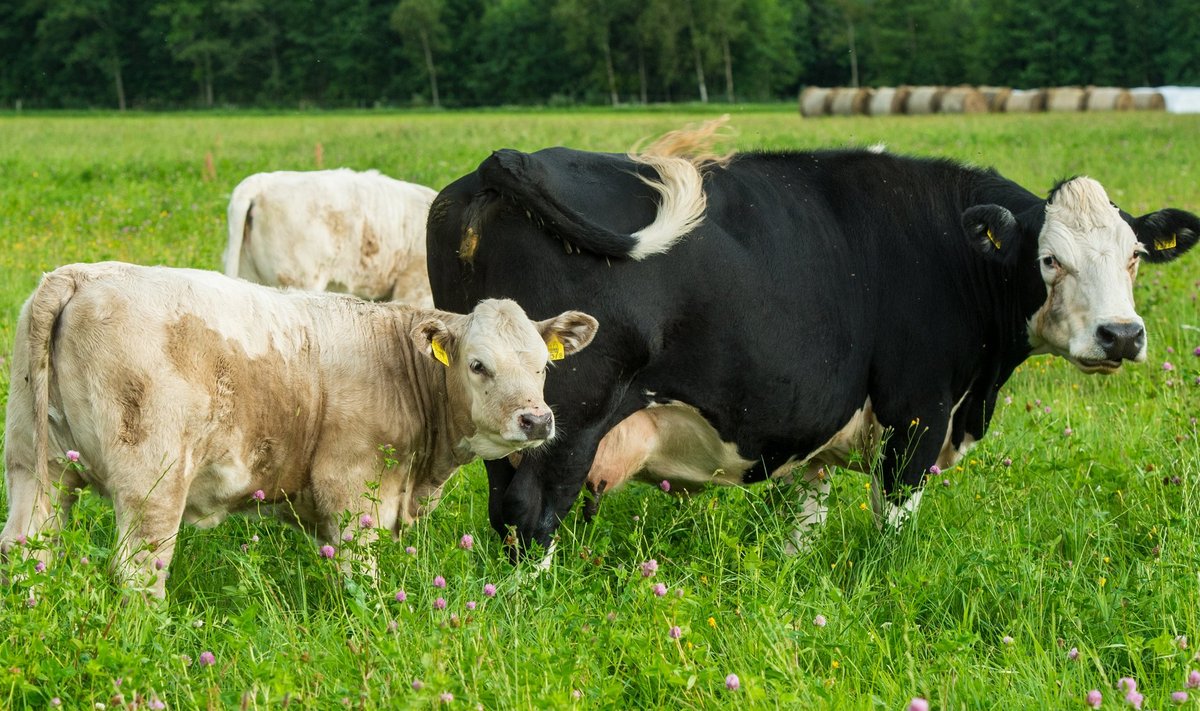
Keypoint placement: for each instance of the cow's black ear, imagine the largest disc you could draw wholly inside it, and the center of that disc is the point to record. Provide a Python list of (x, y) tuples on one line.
[(1166, 234), (994, 231)]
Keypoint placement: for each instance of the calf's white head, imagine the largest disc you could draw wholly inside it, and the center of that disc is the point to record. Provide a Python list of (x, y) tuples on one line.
[(1087, 252), (497, 358)]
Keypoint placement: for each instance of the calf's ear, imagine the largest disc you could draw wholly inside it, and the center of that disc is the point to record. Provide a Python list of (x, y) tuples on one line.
[(994, 231), (435, 339), (567, 333), (1166, 234)]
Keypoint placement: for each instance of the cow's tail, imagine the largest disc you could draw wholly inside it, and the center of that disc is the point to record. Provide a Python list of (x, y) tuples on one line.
[(45, 308), (239, 222), (678, 158)]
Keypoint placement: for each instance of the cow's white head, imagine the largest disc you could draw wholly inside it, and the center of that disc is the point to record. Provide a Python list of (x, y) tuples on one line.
[(1087, 254), (497, 357)]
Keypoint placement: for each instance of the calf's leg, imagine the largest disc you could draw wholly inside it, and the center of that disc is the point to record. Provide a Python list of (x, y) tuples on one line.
[(36, 508), (148, 519)]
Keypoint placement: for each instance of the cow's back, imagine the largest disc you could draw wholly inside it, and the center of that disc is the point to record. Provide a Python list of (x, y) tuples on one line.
[(339, 230)]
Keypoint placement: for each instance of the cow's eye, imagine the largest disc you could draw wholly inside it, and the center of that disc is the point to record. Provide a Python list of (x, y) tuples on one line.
[(478, 368), (1049, 261)]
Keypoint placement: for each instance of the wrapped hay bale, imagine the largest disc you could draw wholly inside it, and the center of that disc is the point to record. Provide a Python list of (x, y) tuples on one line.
[(996, 96), (814, 101), (1148, 100), (1108, 98), (848, 101), (963, 100), (924, 100), (1181, 99), (888, 100), (1066, 98), (1025, 100)]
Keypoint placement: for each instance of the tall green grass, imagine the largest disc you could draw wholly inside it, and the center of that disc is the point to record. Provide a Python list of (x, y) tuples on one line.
[(1053, 540)]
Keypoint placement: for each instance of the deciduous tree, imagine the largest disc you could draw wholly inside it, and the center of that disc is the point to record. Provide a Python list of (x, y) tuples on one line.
[(419, 24)]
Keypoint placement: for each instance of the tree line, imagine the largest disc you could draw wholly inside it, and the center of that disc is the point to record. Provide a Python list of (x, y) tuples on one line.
[(153, 54)]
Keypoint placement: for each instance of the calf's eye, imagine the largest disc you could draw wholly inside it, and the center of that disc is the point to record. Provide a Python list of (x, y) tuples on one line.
[(1049, 261), (477, 368)]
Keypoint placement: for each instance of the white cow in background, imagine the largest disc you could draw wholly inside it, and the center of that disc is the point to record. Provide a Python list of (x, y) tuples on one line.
[(331, 230)]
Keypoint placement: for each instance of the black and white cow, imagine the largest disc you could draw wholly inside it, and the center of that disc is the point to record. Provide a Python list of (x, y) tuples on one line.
[(780, 312)]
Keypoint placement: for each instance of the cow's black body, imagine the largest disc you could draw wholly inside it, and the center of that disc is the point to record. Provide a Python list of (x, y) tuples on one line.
[(816, 281)]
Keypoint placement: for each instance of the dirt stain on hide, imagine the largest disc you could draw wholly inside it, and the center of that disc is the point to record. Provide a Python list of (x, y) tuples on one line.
[(265, 408), (338, 224), (370, 243), (470, 243), (131, 397)]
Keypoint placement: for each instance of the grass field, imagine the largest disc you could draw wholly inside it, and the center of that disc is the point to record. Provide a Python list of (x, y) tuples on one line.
[(1089, 540)]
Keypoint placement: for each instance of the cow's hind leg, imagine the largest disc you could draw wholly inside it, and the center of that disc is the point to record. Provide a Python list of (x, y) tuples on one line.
[(148, 520), (813, 489), (36, 509)]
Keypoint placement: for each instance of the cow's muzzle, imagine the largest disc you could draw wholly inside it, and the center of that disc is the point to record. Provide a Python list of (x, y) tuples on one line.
[(536, 426), (532, 427), (1121, 340)]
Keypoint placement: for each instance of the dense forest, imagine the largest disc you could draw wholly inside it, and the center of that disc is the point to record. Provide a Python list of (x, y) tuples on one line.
[(152, 54)]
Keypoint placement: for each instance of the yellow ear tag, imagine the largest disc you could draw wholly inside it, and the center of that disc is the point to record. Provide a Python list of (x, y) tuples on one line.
[(555, 346), (1168, 243), (992, 238), (440, 353)]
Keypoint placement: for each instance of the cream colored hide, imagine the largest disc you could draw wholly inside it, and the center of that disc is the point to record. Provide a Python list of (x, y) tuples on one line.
[(185, 392), (331, 230)]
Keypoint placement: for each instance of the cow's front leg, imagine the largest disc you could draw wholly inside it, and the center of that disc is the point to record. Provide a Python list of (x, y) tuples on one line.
[(349, 521), (813, 493), (500, 473), (543, 489), (908, 455)]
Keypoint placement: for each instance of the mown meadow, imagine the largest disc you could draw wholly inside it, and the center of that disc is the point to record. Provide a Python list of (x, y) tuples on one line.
[(1062, 556)]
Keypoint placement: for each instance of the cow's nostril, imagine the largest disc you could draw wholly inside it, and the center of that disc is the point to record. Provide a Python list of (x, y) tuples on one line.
[(1105, 337), (1121, 341), (534, 426)]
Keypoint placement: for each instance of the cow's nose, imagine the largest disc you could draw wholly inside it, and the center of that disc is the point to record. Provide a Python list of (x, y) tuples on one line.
[(535, 426), (1121, 341)]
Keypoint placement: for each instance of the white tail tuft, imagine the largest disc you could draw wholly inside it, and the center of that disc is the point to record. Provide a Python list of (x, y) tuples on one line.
[(678, 157), (681, 209)]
